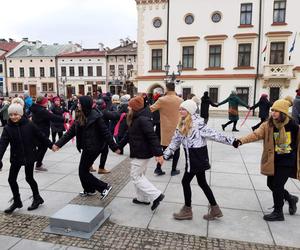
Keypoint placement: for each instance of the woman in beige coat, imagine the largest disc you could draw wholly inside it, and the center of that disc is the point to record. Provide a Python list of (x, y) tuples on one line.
[(281, 155)]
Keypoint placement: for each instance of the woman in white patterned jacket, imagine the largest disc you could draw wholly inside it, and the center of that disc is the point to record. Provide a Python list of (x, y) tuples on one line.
[(192, 132)]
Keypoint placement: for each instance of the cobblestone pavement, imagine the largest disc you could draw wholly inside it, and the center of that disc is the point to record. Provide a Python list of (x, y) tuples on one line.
[(111, 235)]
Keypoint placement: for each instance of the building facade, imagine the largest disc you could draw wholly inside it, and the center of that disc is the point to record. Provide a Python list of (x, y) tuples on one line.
[(245, 46), (122, 67), (32, 68), (82, 71)]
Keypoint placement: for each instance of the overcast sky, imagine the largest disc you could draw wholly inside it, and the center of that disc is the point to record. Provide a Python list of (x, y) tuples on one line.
[(86, 22)]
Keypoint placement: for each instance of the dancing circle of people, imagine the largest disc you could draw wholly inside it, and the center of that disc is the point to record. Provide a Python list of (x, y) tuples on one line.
[(155, 125)]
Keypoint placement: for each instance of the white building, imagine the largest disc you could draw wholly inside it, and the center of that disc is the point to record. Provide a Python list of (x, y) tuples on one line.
[(220, 44), (82, 71), (32, 68)]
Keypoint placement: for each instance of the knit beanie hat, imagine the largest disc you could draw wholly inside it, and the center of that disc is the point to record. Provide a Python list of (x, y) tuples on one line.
[(18, 100), (190, 106), (283, 105), (41, 100), (115, 98), (136, 103), (15, 108), (196, 99), (56, 98)]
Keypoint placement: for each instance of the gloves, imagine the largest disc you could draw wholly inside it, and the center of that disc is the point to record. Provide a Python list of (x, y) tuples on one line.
[(236, 143)]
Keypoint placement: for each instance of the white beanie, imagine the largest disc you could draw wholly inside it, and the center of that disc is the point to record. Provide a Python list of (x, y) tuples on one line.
[(125, 98), (18, 100), (15, 108), (115, 98), (190, 106)]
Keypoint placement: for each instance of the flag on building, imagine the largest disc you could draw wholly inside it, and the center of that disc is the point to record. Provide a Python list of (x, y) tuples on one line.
[(293, 46)]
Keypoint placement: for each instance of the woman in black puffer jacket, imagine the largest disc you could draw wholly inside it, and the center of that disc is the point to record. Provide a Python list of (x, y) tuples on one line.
[(91, 136)]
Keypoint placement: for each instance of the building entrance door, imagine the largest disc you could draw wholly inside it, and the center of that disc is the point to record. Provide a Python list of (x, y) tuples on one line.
[(32, 90), (81, 89)]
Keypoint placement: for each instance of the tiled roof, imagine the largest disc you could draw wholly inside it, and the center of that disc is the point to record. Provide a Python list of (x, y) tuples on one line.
[(43, 51), (128, 49), (84, 53), (8, 46)]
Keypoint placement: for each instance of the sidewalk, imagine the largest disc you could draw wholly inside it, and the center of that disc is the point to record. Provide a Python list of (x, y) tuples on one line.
[(239, 188)]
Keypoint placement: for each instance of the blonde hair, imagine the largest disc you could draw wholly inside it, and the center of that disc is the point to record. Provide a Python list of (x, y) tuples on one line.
[(185, 124), (129, 117)]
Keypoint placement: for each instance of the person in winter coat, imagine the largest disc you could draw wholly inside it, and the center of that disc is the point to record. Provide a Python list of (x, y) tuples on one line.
[(91, 136), (281, 155), (204, 110), (192, 133), (233, 112), (21, 134), (296, 107), (4, 112), (264, 109), (28, 103), (143, 144), (57, 127), (41, 117)]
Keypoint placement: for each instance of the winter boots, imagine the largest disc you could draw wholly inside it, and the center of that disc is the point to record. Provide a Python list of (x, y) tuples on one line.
[(185, 213), (37, 200), (293, 204), (17, 203), (274, 216), (213, 213)]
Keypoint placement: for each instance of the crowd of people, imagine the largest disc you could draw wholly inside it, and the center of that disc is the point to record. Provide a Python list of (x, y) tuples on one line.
[(155, 125)]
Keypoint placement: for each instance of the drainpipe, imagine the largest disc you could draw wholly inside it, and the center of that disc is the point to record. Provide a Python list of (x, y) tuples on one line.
[(258, 52), (5, 76), (168, 31)]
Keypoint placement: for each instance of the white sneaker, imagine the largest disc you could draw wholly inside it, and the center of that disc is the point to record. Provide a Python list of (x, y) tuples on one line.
[(105, 192), (84, 193)]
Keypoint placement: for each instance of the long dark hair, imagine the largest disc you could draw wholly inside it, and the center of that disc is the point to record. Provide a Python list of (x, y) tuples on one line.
[(282, 118)]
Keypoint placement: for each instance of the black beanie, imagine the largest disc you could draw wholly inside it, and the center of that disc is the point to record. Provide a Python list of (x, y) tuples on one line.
[(86, 103)]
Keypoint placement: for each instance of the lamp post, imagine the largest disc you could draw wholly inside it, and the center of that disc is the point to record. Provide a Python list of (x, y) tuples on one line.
[(64, 79), (172, 77)]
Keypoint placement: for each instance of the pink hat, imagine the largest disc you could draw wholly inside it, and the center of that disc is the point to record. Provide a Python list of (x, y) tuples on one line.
[(41, 100)]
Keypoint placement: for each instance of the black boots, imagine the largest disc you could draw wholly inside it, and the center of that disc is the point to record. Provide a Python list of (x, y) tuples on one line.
[(293, 204), (37, 200), (17, 203), (274, 216)]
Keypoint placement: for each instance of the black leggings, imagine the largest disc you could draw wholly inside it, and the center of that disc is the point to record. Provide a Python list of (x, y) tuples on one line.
[(276, 184), (234, 124), (103, 156), (175, 158), (54, 133), (186, 181), (88, 181), (12, 180), (262, 120)]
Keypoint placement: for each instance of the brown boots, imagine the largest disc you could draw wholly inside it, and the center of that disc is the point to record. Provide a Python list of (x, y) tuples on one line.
[(213, 213), (184, 214)]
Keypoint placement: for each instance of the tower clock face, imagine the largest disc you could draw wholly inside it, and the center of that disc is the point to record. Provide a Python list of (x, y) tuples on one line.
[(216, 17), (157, 22), (189, 19)]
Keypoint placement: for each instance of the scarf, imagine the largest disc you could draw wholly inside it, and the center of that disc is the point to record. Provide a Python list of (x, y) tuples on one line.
[(281, 129)]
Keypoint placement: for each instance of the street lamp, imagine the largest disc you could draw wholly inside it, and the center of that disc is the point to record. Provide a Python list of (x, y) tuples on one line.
[(172, 77), (64, 79)]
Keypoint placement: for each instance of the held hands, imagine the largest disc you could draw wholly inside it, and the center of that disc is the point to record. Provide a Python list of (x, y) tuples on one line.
[(55, 148), (236, 143), (159, 159)]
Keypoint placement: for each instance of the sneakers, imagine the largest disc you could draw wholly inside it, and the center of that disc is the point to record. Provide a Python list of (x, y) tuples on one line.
[(85, 194), (38, 200), (293, 204), (41, 168), (105, 192), (274, 216), (158, 171), (157, 201), (103, 171), (136, 201), (175, 172)]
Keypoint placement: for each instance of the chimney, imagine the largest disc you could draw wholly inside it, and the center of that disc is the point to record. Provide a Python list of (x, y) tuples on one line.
[(28, 52), (128, 40), (134, 44), (25, 39), (11, 40), (38, 44), (101, 46), (122, 42)]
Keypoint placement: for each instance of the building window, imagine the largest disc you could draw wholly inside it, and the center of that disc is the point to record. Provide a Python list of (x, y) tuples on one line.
[(188, 57), (63, 71), (213, 94), (279, 11), (22, 72), (215, 56), (80, 71), (71, 71), (99, 70), (90, 71), (31, 72), (243, 94), (186, 92), (11, 72), (157, 22), (277, 53), (52, 72), (17, 87), (216, 17), (274, 94), (129, 69), (189, 19), (157, 59), (246, 13), (1, 68), (244, 54), (42, 72), (47, 87), (111, 70), (121, 70)]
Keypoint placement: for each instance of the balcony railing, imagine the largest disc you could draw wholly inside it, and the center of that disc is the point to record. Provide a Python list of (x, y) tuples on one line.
[(278, 71)]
